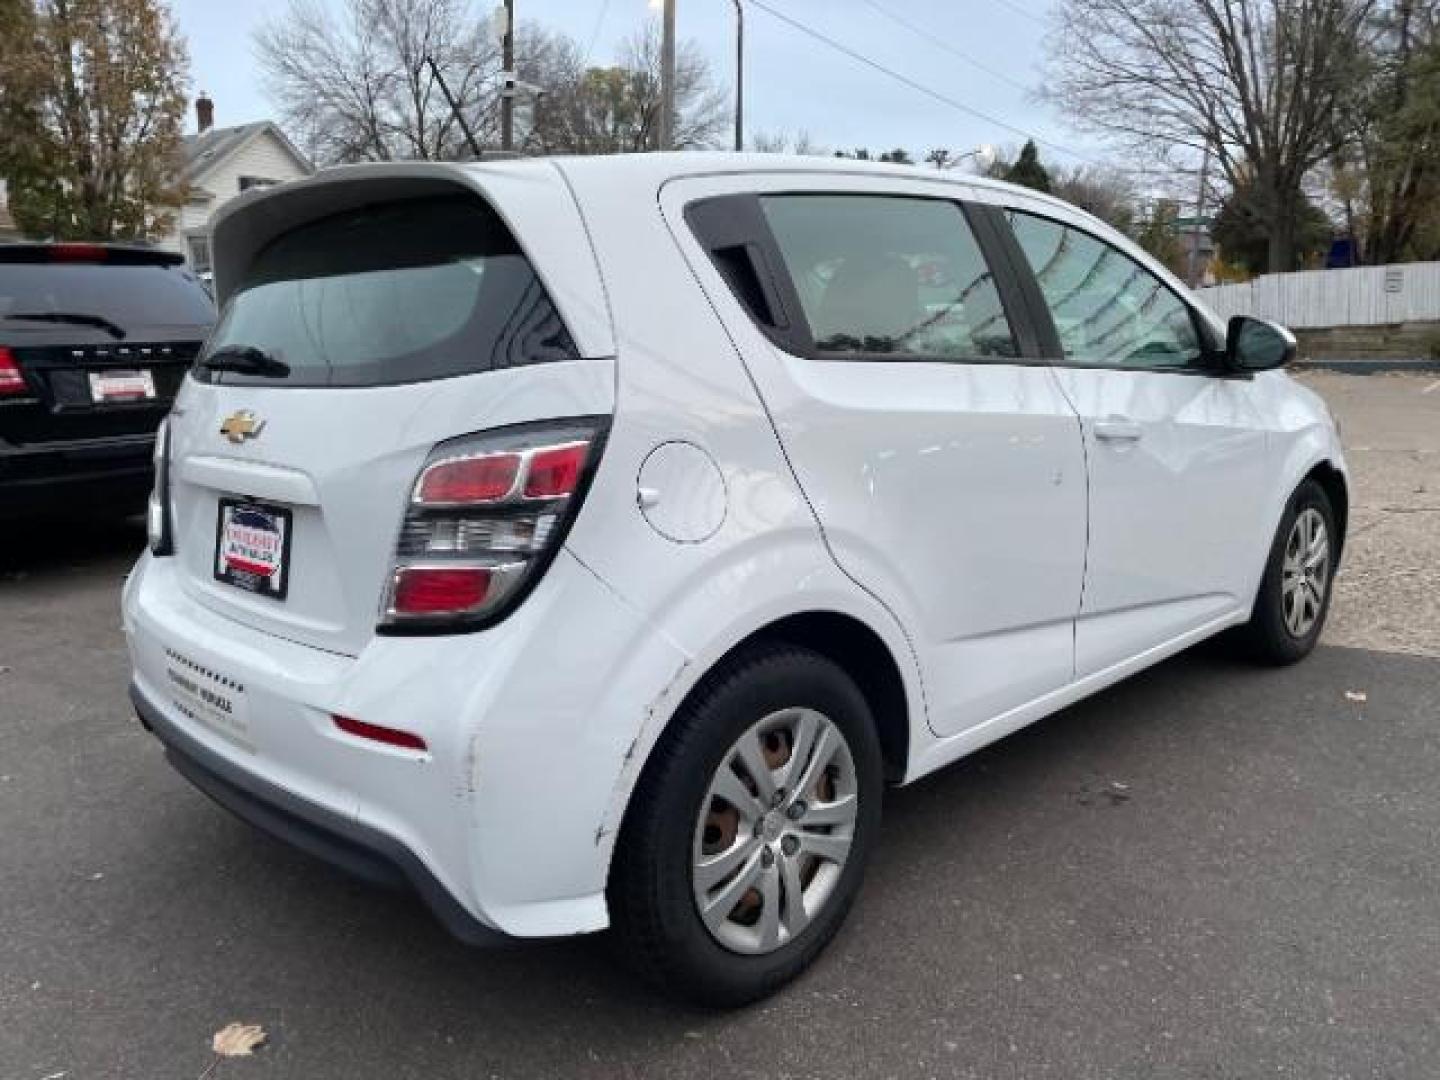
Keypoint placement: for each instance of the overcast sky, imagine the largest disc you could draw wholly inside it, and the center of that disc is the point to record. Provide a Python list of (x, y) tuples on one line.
[(793, 82)]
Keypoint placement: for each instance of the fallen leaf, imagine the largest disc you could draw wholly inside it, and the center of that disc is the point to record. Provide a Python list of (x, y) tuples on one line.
[(238, 1040), (1355, 695)]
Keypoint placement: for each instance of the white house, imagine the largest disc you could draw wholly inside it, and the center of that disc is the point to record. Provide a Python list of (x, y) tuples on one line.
[(220, 163)]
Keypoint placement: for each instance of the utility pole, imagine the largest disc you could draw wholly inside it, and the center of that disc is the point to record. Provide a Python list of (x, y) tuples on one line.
[(507, 99), (739, 75), (667, 77), (1195, 230)]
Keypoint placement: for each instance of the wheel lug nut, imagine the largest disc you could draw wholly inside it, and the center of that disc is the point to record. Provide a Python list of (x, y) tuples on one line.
[(797, 810), (790, 845), (767, 857)]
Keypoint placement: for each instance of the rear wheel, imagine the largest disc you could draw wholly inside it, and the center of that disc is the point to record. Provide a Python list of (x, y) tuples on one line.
[(747, 837), (1294, 596)]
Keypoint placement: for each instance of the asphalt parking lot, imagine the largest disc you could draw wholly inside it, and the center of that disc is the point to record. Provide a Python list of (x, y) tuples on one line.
[(1210, 871)]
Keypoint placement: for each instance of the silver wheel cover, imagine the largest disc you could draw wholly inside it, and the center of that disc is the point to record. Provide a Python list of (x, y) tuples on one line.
[(774, 831)]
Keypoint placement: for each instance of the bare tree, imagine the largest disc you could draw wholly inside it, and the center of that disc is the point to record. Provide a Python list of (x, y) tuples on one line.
[(1388, 180), (353, 85), (783, 142), (1263, 86), (1106, 192), (616, 109)]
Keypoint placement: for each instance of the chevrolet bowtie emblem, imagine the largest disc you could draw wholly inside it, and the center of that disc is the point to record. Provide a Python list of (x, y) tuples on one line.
[(241, 426)]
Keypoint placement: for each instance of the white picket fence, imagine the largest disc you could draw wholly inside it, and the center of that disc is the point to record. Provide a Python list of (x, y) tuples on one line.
[(1312, 299)]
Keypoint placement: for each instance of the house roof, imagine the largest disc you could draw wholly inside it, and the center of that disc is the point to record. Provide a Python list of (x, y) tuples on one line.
[(207, 149)]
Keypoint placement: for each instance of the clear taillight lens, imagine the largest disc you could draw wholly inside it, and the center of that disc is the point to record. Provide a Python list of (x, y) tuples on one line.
[(157, 512), (484, 518)]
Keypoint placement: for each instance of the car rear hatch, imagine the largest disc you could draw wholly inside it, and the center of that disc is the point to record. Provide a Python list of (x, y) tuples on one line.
[(369, 314), (100, 337)]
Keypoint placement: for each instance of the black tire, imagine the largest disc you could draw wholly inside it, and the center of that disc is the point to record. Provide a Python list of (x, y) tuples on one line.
[(1266, 638), (653, 909)]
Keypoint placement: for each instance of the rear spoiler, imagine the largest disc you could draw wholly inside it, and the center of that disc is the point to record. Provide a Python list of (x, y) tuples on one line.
[(100, 254)]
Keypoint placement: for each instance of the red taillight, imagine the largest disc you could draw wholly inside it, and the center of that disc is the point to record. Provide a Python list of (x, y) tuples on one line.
[(12, 379), (486, 515), (388, 736), (77, 253), (436, 590), (468, 480), (555, 473)]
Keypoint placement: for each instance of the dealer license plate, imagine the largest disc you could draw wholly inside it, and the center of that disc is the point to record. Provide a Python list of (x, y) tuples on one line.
[(252, 547)]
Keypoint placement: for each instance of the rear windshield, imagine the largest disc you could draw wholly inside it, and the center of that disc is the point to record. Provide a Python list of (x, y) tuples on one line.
[(392, 293), (129, 297)]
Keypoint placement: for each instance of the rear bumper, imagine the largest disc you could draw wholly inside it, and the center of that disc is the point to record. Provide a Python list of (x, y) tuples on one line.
[(499, 823), (76, 476), (343, 842)]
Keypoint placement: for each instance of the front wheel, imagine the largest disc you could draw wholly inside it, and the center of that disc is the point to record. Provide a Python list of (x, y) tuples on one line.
[(747, 837), (1294, 595)]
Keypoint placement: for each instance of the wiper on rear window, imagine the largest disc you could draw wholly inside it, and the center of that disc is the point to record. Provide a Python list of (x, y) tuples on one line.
[(246, 360), (74, 318)]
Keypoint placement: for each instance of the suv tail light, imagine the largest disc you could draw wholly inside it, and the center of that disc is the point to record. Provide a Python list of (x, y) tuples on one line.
[(157, 512), (486, 515), (12, 379)]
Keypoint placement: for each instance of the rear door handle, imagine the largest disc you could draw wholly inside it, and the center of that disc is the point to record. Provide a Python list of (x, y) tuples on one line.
[(1117, 429)]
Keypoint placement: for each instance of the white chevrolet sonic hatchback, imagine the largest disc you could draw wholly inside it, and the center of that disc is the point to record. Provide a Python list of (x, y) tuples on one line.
[(585, 542)]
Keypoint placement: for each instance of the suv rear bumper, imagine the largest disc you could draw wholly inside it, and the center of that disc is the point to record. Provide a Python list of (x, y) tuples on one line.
[(75, 476)]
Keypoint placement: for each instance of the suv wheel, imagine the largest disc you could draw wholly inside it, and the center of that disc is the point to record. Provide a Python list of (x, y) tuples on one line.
[(747, 837), (1294, 595)]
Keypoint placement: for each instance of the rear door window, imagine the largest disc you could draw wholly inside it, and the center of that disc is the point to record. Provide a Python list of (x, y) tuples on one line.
[(883, 277), (394, 293)]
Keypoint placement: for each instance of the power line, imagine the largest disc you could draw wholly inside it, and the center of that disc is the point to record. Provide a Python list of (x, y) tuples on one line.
[(944, 99), (941, 43), (595, 32), (1013, 6)]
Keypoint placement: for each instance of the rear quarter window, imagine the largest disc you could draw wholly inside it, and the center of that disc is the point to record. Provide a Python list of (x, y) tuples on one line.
[(393, 293)]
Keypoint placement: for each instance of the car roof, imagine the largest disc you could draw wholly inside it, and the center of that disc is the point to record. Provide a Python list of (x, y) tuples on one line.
[(98, 253), (652, 170)]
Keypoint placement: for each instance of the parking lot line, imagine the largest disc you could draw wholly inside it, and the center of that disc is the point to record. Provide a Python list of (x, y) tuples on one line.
[(1433, 386)]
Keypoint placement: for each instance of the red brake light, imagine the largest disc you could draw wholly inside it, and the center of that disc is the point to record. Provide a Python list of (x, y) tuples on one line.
[(486, 516), (468, 480), (434, 590), (387, 735), (12, 379), (555, 473), (77, 253)]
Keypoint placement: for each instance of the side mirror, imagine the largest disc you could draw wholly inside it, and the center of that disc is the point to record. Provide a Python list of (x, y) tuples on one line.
[(1257, 345)]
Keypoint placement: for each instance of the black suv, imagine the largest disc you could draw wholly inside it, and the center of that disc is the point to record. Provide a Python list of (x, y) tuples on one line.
[(94, 340)]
